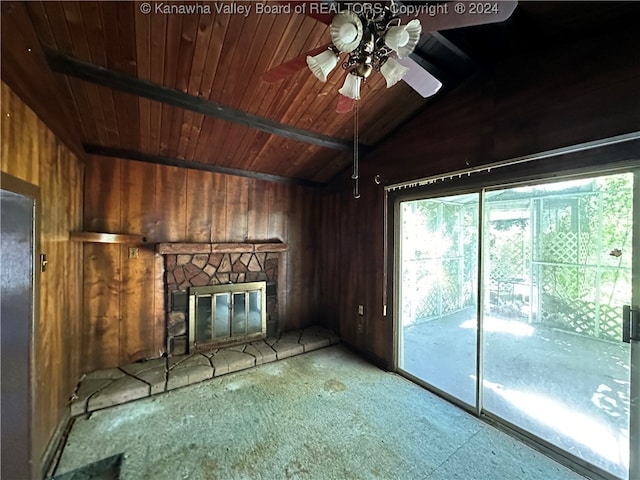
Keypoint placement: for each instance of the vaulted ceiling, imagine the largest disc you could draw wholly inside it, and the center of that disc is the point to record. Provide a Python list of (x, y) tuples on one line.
[(187, 89)]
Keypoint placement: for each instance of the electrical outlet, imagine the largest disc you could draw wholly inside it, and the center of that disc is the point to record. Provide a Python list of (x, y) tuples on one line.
[(133, 252), (360, 309)]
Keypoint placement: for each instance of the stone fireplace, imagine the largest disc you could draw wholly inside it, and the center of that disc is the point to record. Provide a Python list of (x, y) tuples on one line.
[(195, 265)]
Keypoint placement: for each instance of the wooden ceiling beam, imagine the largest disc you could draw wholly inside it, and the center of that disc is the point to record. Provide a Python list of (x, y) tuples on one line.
[(111, 152), (118, 81)]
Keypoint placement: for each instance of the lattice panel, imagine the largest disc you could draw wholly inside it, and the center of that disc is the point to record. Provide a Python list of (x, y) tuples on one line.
[(426, 296), (450, 297), (580, 317), (566, 247), (428, 307), (585, 247), (508, 254), (560, 247)]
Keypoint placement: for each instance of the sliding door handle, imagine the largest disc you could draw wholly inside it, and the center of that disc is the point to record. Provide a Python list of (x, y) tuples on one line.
[(630, 324), (626, 323)]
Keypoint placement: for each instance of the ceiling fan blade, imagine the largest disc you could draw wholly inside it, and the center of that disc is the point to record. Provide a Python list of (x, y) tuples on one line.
[(419, 79), (345, 104), (311, 9), (292, 66), (466, 14)]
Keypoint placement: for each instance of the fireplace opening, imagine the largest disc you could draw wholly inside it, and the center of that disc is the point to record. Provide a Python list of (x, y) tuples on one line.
[(192, 266), (225, 314)]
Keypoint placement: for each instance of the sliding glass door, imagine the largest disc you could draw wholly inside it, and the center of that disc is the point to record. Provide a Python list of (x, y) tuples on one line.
[(557, 272), (439, 252), (557, 276)]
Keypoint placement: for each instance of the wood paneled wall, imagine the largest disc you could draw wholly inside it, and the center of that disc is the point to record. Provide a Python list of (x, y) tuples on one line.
[(572, 95), (124, 302), (31, 152)]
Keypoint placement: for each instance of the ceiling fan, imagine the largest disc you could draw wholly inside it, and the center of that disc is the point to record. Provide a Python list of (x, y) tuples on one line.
[(373, 38)]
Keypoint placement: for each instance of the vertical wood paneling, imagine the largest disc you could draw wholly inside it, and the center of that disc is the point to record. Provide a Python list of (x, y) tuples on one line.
[(200, 207), (237, 207), (54, 15), (102, 207), (120, 46), (31, 152), (94, 27), (137, 304), (277, 229), (101, 332), (125, 297), (257, 211), (137, 274), (102, 213), (218, 185), (82, 45), (143, 63), (18, 141), (74, 257), (158, 44), (218, 33), (172, 47), (170, 203)]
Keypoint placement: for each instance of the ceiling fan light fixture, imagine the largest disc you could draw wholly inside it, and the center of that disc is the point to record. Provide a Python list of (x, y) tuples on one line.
[(322, 64), (396, 37), (346, 31), (393, 72), (404, 38), (351, 86)]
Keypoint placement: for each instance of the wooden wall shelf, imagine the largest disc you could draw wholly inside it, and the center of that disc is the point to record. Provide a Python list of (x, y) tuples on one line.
[(99, 237)]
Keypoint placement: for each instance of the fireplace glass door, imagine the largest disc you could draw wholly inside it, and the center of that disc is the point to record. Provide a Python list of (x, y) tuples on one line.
[(227, 313)]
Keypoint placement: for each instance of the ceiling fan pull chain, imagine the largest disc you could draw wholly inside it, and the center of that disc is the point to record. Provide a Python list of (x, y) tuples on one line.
[(356, 143)]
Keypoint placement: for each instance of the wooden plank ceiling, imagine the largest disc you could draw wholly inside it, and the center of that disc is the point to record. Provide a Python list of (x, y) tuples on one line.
[(219, 57)]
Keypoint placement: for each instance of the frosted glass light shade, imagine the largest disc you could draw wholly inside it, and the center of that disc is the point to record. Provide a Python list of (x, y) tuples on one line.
[(351, 87), (346, 31), (393, 72), (322, 64), (396, 37), (404, 38)]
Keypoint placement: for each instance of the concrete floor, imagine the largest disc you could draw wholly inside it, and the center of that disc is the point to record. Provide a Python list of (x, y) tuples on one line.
[(570, 390), (321, 415)]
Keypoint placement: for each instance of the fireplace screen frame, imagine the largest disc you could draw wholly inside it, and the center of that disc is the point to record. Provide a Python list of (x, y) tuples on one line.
[(231, 291)]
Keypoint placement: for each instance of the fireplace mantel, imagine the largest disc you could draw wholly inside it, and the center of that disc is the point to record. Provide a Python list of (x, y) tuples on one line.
[(191, 248)]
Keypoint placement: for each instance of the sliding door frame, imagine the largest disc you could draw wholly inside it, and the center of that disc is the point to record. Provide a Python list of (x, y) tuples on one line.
[(574, 462), (396, 261), (543, 171)]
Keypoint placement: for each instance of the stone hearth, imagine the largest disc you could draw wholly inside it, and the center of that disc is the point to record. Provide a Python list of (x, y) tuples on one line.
[(114, 386)]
